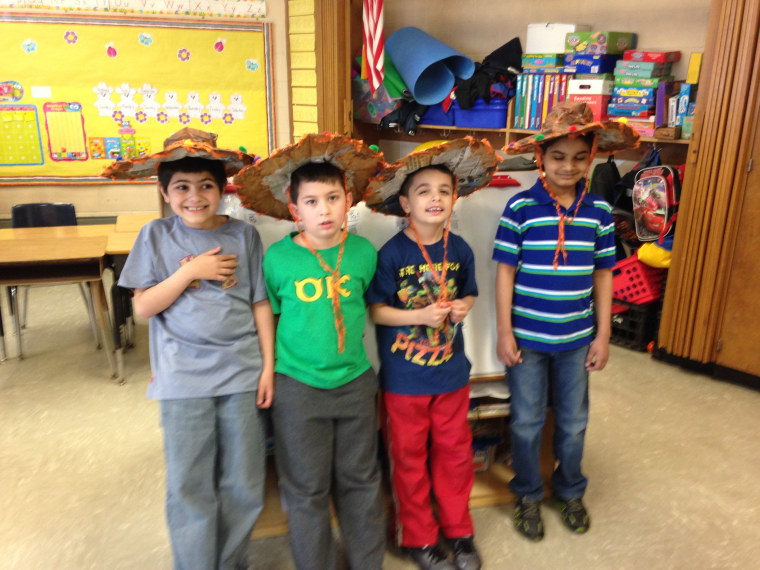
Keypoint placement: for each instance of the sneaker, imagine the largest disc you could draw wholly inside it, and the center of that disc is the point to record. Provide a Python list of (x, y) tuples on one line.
[(528, 518), (573, 513), (465, 554), (430, 558)]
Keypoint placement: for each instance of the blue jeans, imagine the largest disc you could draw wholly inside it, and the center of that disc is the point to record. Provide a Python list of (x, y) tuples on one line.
[(215, 469), (564, 376)]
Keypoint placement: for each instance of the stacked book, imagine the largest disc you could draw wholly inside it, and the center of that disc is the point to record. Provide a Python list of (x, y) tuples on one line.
[(642, 89), (541, 85)]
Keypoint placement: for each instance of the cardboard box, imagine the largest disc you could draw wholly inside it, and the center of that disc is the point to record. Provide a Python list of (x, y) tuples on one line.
[(542, 60), (665, 91), (667, 133), (643, 65), (686, 95), (595, 93), (638, 111), (548, 37), (625, 81), (686, 128), (651, 55), (590, 63), (695, 65), (599, 42)]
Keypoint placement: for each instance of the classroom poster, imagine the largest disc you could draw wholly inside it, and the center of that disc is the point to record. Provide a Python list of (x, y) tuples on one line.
[(79, 91)]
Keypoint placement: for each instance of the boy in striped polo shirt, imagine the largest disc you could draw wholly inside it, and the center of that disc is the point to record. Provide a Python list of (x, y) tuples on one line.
[(555, 251)]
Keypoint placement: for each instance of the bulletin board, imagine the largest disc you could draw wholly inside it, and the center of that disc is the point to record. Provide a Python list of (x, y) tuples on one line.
[(77, 92)]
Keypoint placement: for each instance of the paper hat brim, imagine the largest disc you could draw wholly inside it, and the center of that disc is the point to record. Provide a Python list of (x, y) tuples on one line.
[(472, 162), (611, 136), (263, 186), (187, 142)]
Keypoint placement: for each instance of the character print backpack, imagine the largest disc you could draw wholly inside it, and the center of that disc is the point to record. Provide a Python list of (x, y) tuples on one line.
[(656, 193)]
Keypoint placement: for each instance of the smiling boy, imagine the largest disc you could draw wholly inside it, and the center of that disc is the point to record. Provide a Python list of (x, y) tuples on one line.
[(197, 276)]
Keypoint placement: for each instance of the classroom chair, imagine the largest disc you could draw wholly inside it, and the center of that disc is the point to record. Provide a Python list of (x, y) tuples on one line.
[(44, 214)]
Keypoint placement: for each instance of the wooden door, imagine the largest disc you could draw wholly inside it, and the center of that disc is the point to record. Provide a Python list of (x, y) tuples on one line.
[(739, 335)]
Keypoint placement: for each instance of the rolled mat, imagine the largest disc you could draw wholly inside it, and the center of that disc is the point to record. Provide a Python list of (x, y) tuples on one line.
[(427, 65)]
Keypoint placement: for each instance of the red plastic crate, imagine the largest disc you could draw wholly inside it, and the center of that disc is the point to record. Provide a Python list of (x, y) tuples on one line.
[(635, 282)]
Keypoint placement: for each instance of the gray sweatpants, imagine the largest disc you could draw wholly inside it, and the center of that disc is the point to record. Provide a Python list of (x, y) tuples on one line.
[(325, 445)]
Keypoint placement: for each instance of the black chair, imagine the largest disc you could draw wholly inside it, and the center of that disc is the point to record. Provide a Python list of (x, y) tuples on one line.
[(44, 214)]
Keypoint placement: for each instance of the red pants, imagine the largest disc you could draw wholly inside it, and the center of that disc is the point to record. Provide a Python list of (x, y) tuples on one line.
[(429, 445)]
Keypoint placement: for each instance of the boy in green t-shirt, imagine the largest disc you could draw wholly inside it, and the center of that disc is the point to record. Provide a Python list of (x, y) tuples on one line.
[(325, 410)]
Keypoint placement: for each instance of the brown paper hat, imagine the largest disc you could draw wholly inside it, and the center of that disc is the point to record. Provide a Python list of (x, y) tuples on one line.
[(571, 118), (472, 162), (263, 186), (184, 143)]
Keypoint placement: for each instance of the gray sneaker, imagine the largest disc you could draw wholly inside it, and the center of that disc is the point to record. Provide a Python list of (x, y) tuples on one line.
[(573, 513), (466, 556), (430, 558), (528, 518)]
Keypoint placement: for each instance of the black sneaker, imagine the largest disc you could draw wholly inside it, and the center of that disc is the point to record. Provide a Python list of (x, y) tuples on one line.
[(528, 518), (574, 514), (430, 558), (465, 554)]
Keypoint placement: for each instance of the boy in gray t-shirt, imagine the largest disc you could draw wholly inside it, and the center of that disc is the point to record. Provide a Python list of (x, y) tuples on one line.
[(197, 277)]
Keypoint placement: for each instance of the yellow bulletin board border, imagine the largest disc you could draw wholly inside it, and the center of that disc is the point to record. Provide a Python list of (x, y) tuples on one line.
[(147, 133)]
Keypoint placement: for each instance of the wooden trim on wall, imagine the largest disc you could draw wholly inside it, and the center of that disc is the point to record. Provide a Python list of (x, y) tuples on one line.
[(727, 107), (333, 65)]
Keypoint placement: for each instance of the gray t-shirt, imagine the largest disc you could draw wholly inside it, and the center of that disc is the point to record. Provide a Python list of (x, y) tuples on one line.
[(205, 343)]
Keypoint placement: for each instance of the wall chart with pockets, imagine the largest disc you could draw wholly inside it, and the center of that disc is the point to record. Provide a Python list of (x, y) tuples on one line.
[(79, 91)]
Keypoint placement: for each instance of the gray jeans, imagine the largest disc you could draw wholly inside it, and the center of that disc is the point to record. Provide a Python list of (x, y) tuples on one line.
[(326, 446)]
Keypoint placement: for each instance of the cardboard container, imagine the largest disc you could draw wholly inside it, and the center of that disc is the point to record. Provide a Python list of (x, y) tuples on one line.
[(599, 42), (695, 64), (651, 55), (542, 60), (548, 37), (590, 63), (594, 92)]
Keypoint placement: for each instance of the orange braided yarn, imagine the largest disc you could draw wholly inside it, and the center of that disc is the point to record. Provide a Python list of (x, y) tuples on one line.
[(340, 326), (562, 215), (443, 292)]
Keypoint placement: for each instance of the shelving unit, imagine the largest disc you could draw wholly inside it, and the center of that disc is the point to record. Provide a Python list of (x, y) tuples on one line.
[(671, 151)]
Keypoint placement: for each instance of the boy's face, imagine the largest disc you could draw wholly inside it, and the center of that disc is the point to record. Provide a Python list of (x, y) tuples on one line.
[(429, 199), (565, 163), (194, 197), (321, 206)]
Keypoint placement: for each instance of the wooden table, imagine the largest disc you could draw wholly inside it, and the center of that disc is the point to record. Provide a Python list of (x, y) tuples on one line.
[(55, 255), (133, 222)]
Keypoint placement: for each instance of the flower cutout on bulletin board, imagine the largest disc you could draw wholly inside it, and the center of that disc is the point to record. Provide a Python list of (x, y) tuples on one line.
[(184, 118), (228, 118), (29, 46), (70, 37), (140, 116), (183, 54), (118, 116), (145, 39), (205, 118), (219, 44), (251, 64), (162, 117), (111, 50)]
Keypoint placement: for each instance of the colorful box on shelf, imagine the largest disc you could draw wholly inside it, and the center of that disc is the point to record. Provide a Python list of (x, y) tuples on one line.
[(599, 42), (435, 115), (686, 95), (481, 115), (595, 93), (590, 63), (644, 126), (640, 82), (695, 64), (643, 73), (644, 65), (542, 60), (549, 37), (623, 110), (651, 55)]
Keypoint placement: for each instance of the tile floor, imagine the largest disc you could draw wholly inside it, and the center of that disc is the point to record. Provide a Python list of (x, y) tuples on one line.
[(673, 460)]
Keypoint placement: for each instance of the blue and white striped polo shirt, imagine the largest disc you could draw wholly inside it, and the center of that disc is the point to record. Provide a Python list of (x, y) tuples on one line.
[(551, 309)]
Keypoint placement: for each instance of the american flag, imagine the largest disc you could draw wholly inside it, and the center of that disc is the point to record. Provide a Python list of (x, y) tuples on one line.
[(374, 43)]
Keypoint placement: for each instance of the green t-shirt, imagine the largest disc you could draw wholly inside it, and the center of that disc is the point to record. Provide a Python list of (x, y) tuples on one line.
[(299, 289)]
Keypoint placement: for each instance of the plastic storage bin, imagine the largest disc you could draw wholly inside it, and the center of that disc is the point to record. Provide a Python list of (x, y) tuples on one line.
[(482, 115), (435, 115), (636, 282), (635, 326)]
